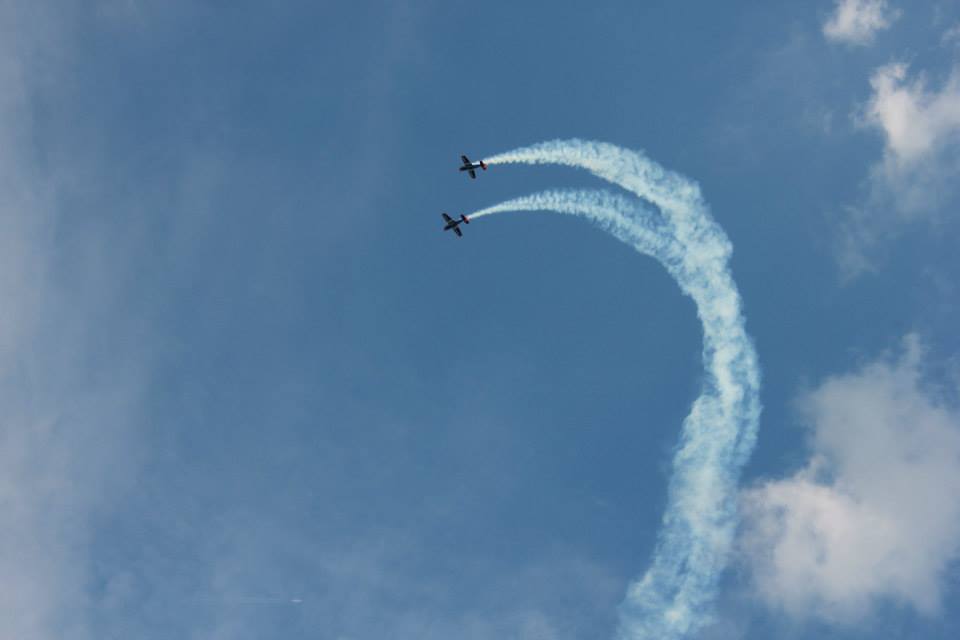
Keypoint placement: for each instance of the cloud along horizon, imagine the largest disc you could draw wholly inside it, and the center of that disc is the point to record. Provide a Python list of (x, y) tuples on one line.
[(673, 599)]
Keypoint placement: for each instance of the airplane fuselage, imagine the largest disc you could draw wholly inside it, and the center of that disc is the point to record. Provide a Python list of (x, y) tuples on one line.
[(471, 167), (451, 223)]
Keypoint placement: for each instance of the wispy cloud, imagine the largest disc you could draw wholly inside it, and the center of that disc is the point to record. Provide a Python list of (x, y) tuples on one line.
[(856, 22), (387, 581), (71, 376), (873, 515), (916, 175), (951, 36), (916, 122)]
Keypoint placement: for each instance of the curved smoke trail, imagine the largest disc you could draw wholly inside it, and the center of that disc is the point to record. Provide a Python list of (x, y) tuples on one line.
[(673, 598)]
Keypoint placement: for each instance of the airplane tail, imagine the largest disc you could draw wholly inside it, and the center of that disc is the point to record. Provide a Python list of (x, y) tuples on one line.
[(465, 218), (483, 165)]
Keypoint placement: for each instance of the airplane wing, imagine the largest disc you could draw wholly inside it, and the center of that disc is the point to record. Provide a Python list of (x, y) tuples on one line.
[(457, 231), (473, 174), (465, 159), (446, 218)]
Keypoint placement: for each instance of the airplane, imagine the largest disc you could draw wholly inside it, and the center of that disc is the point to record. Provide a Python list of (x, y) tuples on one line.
[(454, 224), (472, 167)]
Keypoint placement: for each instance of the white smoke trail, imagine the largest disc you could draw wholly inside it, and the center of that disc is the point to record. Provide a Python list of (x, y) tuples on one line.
[(628, 221), (673, 598)]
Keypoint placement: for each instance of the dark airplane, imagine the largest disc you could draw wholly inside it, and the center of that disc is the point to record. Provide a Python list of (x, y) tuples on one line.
[(471, 167), (455, 224)]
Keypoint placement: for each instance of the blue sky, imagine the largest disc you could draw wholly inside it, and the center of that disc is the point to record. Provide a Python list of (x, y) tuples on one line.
[(240, 365)]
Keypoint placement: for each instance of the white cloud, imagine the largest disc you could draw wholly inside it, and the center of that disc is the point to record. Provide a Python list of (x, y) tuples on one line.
[(916, 123), (916, 175), (874, 514), (857, 21), (921, 130)]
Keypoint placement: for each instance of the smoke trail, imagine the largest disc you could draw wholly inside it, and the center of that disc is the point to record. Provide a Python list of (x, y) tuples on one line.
[(628, 221), (673, 598)]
